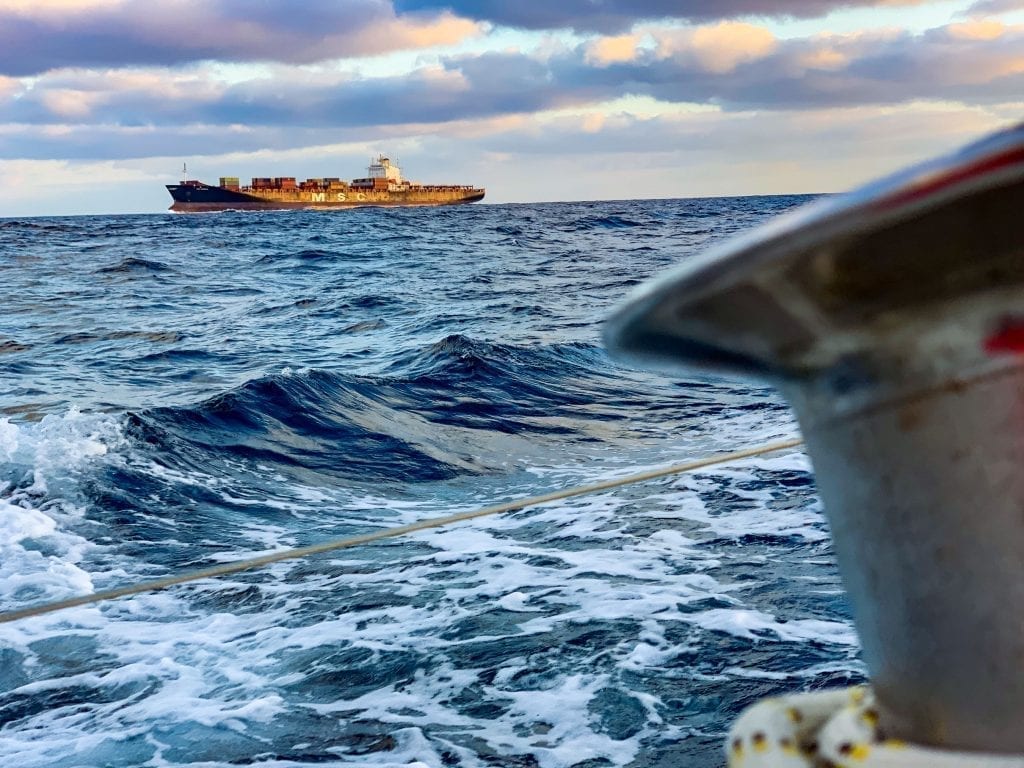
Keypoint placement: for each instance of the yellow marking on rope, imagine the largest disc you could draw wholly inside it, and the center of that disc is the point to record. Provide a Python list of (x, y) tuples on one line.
[(737, 749), (760, 742), (226, 569), (860, 752)]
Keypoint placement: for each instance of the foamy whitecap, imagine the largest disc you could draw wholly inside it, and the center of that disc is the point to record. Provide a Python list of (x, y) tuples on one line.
[(40, 549), (553, 574)]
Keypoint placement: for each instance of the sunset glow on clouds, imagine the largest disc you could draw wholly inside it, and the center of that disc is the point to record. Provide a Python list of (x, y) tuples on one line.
[(534, 100)]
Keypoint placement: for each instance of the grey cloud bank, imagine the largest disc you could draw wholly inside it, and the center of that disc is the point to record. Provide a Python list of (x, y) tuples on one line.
[(610, 16), (155, 33), (160, 33), (796, 74)]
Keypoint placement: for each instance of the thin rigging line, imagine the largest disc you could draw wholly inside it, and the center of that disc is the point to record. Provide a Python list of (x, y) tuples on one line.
[(238, 566)]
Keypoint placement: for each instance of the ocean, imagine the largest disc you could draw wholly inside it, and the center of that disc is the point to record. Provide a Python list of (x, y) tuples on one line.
[(182, 390)]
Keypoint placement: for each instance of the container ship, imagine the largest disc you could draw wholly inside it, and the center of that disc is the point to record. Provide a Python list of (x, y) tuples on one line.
[(383, 186)]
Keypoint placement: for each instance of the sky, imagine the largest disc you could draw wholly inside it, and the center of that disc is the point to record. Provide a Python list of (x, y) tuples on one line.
[(102, 101)]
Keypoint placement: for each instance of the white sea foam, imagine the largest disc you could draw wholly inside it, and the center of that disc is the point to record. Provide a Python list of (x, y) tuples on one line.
[(633, 566), (40, 550), (8, 439)]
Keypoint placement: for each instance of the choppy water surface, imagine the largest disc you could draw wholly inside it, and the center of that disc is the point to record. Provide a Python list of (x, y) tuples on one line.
[(178, 391)]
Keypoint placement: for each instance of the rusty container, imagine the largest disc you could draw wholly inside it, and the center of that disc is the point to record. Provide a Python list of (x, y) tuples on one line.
[(892, 318)]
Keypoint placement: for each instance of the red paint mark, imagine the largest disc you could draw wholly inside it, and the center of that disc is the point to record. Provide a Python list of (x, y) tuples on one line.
[(1009, 339), (949, 178)]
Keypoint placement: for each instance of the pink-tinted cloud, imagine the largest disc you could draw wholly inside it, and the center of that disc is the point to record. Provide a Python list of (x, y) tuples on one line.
[(977, 29), (611, 50), (9, 86), (42, 35), (718, 48)]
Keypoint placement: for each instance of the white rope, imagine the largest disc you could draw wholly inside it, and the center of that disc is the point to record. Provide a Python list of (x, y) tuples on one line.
[(436, 522), (838, 728)]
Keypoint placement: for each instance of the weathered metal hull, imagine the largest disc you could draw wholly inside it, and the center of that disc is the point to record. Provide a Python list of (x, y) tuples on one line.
[(195, 197)]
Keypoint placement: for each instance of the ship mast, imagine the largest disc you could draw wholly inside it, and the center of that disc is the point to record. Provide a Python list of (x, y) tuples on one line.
[(184, 172)]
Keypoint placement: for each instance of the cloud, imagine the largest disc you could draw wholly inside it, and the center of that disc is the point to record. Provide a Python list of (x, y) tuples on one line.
[(43, 35), (822, 57), (9, 86), (60, 173), (54, 8), (719, 48), (608, 50), (612, 16), (111, 142), (977, 29), (732, 67), (984, 7), (917, 129), (469, 87), (69, 104)]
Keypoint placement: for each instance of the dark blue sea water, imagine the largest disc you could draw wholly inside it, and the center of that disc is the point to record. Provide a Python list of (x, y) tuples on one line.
[(177, 391)]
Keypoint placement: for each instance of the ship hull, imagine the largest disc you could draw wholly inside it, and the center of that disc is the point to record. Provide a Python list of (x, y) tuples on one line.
[(196, 197)]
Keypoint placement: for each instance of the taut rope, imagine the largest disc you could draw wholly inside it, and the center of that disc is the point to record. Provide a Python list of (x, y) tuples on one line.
[(435, 522)]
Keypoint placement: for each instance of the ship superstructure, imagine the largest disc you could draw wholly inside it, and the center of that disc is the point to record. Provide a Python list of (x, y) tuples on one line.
[(383, 185)]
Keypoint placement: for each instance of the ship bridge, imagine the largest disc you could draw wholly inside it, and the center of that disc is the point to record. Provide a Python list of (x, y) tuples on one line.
[(383, 169)]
